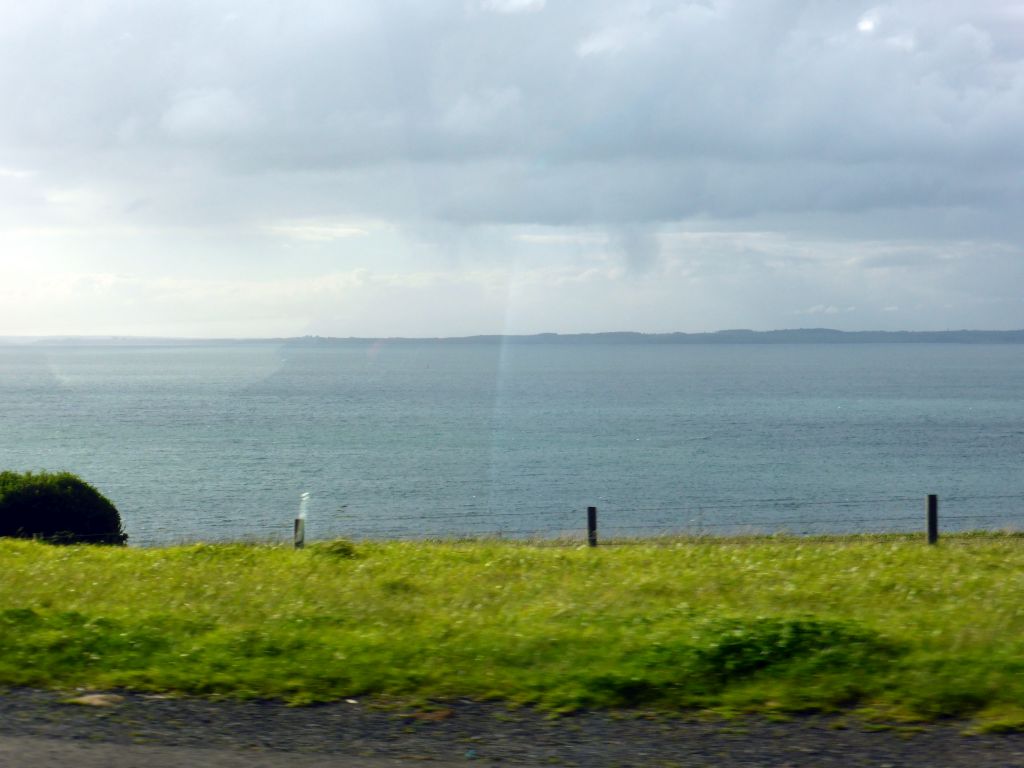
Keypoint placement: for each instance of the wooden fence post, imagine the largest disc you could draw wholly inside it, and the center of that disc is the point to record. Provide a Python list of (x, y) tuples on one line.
[(932, 506), (592, 526), (300, 521)]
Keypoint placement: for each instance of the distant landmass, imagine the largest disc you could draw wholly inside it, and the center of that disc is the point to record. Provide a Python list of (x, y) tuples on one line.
[(739, 336), (792, 336)]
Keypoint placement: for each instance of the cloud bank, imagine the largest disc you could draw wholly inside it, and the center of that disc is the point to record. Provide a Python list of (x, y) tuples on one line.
[(653, 165)]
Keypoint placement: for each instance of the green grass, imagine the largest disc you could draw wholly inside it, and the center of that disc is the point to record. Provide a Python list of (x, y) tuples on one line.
[(885, 624)]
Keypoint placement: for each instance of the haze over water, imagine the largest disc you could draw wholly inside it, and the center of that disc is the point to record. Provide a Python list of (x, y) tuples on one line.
[(410, 438)]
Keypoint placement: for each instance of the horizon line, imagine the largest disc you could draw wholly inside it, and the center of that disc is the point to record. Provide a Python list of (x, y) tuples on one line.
[(493, 336)]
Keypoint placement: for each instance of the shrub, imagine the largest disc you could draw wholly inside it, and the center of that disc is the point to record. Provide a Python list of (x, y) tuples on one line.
[(58, 507)]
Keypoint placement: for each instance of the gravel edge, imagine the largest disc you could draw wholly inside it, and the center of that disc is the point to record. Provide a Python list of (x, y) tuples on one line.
[(481, 733)]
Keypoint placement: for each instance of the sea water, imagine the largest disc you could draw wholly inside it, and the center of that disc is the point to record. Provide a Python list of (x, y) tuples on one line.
[(216, 441)]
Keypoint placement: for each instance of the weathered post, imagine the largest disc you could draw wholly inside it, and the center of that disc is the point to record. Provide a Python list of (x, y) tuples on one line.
[(300, 521), (933, 518), (592, 526)]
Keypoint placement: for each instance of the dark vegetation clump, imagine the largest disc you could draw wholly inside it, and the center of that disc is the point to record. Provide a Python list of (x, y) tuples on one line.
[(57, 507), (729, 652), (339, 548), (735, 648)]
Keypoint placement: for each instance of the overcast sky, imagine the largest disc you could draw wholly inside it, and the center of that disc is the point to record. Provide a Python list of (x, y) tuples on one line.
[(453, 167)]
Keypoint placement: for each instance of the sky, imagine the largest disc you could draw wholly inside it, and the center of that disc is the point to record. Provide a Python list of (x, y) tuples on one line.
[(257, 168)]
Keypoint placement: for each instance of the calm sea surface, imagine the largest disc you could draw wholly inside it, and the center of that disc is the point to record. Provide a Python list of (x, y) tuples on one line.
[(416, 438)]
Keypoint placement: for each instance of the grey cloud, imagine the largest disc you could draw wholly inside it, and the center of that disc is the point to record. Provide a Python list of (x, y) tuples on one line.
[(623, 116), (204, 114), (906, 259), (783, 79), (639, 247)]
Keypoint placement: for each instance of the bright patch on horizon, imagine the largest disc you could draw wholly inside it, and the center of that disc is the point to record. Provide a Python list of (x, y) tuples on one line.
[(15, 173), (319, 233), (564, 239)]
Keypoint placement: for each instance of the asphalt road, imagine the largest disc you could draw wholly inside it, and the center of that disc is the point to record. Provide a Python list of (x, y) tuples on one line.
[(38, 752), (41, 729)]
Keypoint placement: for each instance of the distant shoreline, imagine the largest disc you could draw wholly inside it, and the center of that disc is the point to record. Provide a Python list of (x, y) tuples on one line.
[(741, 336)]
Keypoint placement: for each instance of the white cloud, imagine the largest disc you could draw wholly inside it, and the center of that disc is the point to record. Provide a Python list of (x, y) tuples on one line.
[(513, 6), (563, 238), (205, 113), (904, 42), (820, 309), (479, 112), (15, 173), (319, 232), (606, 41)]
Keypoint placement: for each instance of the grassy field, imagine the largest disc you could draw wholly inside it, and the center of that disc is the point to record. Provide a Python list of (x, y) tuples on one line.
[(764, 624)]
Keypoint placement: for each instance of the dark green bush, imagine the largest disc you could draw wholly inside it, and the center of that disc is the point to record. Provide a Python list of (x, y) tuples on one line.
[(58, 507)]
